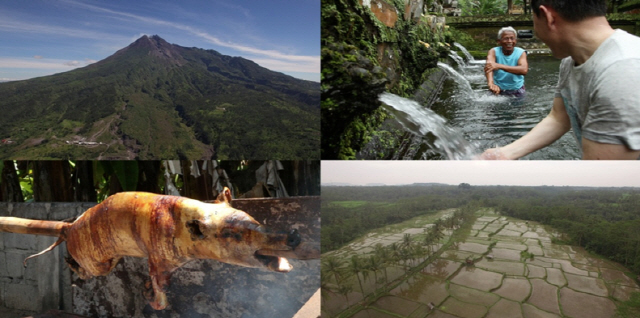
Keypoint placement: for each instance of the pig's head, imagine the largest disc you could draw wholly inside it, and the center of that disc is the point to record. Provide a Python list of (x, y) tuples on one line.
[(232, 236)]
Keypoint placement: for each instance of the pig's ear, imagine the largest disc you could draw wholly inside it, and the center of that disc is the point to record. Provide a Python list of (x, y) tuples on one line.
[(224, 196), (197, 229)]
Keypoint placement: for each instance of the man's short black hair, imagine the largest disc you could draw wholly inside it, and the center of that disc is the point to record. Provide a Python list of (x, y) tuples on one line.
[(572, 10)]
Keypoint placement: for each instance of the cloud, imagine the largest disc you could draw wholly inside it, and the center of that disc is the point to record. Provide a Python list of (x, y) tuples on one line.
[(88, 61), (273, 54), (309, 66), (9, 24), (39, 57), (30, 63), (72, 63), (241, 9)]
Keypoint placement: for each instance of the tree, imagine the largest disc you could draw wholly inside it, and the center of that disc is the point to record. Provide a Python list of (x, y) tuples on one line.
[(384, 255), (325, 289), (483, 7), (10, 190), (395, 252), (344, 290), (428, 240), (354, 267), (331, 265), (406, 240), (374, 266)]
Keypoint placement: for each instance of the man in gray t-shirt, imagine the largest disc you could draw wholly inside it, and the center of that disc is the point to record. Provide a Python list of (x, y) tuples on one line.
[(598, 94)]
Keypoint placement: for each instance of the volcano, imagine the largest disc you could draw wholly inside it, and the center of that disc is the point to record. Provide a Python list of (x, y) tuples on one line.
[(156, 100)]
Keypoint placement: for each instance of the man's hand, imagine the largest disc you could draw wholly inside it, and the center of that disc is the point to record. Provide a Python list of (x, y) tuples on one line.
[(491, 66), (494, 88), (493, 154)]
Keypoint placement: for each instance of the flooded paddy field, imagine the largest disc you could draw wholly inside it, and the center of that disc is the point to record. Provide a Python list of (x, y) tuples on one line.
[(497, 267)]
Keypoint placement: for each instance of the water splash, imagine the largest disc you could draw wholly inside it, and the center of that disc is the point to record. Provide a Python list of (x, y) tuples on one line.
[(462, 82), (470, 60), (464, 50), (458, 59), (449, 143)]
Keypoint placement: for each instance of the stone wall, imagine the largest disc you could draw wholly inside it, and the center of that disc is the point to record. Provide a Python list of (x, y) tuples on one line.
[(391, 141), (203, 288), (368, 47), (41, 285)]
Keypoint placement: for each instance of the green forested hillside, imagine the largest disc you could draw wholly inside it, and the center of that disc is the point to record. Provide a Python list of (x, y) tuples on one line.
[(154, 100)]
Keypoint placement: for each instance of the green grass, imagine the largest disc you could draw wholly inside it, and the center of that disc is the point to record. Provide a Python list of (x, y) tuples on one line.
[(349, 204)]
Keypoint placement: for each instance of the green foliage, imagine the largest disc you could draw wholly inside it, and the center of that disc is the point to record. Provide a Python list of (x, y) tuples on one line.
[(343, 220), (524, 255), (362, 57), (482, 7), (631, 307), (152, 107), (466, 40), (125, 171)]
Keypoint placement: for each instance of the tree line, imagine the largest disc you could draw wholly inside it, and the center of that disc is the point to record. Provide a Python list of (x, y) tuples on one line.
[(348, 212), (93, 181)]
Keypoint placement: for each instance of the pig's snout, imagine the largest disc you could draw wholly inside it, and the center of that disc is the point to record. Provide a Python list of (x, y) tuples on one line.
[(293, 239)]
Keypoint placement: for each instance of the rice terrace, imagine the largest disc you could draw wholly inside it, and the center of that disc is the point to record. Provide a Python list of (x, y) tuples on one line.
[(460, 251)]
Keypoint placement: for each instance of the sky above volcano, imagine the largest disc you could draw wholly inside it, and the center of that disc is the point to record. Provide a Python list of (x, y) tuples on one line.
[(40, 38)]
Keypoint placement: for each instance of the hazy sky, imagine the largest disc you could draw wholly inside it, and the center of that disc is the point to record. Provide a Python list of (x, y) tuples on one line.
[(527, 173), (45, 37)]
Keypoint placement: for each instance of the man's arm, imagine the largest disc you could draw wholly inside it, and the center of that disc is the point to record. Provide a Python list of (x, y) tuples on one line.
[(550, 129), (593, 150), (521, 69), (491, 59)]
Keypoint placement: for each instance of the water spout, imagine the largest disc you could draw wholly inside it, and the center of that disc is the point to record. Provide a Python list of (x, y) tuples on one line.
[(470, 59), (450, 143), (459, 60), (464, 50), (462, 82)]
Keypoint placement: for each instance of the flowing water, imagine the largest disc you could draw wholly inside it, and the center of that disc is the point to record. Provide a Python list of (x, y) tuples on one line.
[(448, 142), (479, 120), (458, 59), (464, 51)]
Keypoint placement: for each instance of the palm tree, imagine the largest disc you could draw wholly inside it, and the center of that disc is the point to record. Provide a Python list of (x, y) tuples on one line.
[(405, 254), (437, 230), (406, 240), (395, 252), (325, 289), (332, 265), (354, 267), (366, 268), (428, 241), (344, 290), (416, 252), (374, 266), (384, 255)]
